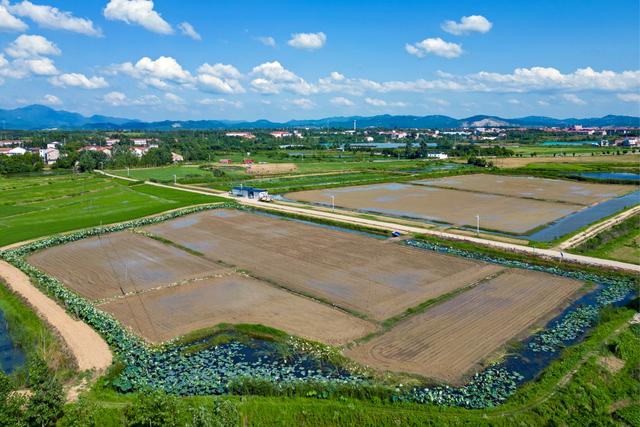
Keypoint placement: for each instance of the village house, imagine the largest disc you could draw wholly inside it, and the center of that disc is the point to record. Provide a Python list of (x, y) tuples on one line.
[(49, 155)]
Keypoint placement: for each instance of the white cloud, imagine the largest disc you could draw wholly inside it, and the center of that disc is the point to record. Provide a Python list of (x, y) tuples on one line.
[(221, 78), (118, 99), (513, 101), (543, 103), (629, 97), (79, 80), (272, 78), (37, 66), (173, 98), (342, 101), (138, 12), (308, 41), (26, 46), (115, 99), (574, 99), (267, 41), (8, 22), (188, 30), (468, 24), (434, 46), (51, 100), (220, 102), (376, 102), (304, 103), (542, 78), (51, 17), (441, 102), (158, 73), (382, 103)]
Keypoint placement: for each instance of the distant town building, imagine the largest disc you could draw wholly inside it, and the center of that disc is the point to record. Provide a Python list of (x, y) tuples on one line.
[(16, 151), (281, 134), (11, 142), (439, 156), (245, 135), (225, 161), (175, 157), (105, 150)]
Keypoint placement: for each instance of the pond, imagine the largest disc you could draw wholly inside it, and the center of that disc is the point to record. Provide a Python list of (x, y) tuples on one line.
[(569, 143), (612, 176), (11, 356), (587, 216)]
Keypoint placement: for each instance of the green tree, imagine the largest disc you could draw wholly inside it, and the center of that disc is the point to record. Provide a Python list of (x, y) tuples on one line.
[(152, 409)]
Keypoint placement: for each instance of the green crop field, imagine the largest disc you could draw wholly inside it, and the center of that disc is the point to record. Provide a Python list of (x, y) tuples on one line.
[(163, 173), (42, 205), (546, 150)]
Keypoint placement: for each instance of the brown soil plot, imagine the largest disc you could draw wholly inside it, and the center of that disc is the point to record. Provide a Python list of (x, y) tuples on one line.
[(447, 341), (350, 270), (102, 267), (532, 187), (233, 299), (509, 214)]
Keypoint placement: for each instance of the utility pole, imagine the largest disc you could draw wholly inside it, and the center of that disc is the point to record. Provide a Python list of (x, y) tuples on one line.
[(333, 203), (175, 179), (478, 225)]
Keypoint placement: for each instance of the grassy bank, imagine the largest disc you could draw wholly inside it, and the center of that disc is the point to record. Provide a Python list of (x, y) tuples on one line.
[(32, 335), (620, 242)]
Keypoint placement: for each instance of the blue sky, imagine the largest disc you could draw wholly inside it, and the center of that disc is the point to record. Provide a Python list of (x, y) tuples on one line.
[(281, 60)]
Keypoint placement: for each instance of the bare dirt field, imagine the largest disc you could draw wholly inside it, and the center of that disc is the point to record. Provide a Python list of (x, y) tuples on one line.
[(449, 340), (105, 266), (553, 190), (517, 162), (271, 168), (497, 212), (353, 271), (170, 312)]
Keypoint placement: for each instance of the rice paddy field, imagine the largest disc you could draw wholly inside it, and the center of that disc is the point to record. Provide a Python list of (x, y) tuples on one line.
[(42, 205), (329, 285), (449, 340), (510, 204)]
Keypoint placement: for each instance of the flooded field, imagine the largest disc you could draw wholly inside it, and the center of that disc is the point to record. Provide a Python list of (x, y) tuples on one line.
[(508, 204), (501, 213), (553, 190)]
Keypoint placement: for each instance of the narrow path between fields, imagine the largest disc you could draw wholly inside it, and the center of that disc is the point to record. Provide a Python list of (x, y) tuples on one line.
[(88, 348)]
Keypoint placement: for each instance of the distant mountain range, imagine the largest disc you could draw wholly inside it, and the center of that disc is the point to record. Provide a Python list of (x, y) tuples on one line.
[(35, 117)]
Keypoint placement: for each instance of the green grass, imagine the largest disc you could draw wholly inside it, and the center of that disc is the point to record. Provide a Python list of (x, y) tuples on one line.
[(40, 206), (32, 335), (621, 242), (165, 173)]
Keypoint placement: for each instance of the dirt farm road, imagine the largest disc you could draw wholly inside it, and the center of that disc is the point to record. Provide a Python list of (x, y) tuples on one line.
[(343, 216), (88, 348)]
